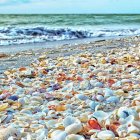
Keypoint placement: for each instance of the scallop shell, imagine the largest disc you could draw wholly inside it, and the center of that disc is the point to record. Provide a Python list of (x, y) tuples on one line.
[(74, 137), (74, 128), (106, 135)]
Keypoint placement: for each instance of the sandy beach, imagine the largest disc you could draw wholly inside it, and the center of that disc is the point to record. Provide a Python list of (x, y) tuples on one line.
[(23, 55), (86, 91)]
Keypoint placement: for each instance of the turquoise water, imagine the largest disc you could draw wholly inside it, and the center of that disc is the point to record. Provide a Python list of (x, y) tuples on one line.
[(19, 29), (70, 20)]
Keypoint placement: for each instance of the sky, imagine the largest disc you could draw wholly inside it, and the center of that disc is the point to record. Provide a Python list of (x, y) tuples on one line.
[(68, 6)]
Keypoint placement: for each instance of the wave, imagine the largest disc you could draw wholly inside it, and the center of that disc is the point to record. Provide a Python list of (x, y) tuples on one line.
[(22, 35)]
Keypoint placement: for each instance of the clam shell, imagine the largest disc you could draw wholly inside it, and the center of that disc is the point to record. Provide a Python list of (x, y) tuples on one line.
[(133, 129), (106, 135), (74, 128), (70, 120), (74, 137), (59, 135), (93, 104), (112, 99)]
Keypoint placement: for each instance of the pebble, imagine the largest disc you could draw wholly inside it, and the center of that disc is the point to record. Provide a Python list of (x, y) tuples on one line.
[(76, 97)]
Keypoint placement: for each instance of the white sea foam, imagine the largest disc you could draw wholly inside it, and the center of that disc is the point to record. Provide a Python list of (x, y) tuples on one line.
[(22, 35)]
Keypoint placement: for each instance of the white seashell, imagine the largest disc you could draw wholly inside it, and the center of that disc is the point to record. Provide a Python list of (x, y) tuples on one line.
[(84, 85), (122, 130), (35, 127), (55, 133), (106, 135), (74, 128), (112, 99), (51, 124), (83, 118), (108, 92), (81, 96), (74, 137), (92, 82), (126, 81), (93, 104), (122, 112), (11, 138), (99, 98), (69, 120), (61, 135), (100, 115), (133, 129), (135, 135), (98, 84), (41, 136)]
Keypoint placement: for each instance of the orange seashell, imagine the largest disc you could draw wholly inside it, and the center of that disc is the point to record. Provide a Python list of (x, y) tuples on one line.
[(22, 69), (44, 72), (16, 105), (94, 124), (111, 82), (80, 78), (52, 107), (113, 127), (20, 84), (74, 92), (85, 65), (60, 108)]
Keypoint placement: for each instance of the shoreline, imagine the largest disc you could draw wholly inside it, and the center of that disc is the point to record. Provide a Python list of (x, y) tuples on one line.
[(23, 58), (74, 90)]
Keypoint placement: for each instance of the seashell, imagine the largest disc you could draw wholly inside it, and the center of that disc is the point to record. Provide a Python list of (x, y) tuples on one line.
[(98, 84), (84, 85), (41, 134), (122, 130), (35, 127), (6, 133), (59, 135), (51, 124), (55, 133), (106, 135), (99, 98), (13, 97), (16, 105), (22, 124), (74, 137), (4, 106), (48, 96), (135, 135), (70, 120), (112, 99), (122, 112), (74, 128), (81, 96), (21, 101), (133, 129), (83, 118), (108, 92), (93, 104), (94, 124)]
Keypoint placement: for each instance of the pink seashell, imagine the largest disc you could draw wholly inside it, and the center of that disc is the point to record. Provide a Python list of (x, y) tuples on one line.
[(48, 96)]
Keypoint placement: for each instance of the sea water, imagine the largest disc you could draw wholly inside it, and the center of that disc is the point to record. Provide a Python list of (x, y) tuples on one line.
[(22, 29)]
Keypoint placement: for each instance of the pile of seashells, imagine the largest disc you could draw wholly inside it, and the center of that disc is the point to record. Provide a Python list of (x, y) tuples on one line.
[(76, 97)]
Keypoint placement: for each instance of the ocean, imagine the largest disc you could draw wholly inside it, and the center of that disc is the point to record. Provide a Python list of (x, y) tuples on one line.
[(22, 29)]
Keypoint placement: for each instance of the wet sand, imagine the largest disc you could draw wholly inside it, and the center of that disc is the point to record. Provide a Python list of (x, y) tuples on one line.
[(23, 55)]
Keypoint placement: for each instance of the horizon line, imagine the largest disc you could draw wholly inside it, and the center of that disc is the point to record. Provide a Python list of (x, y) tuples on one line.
[(69, 13)]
